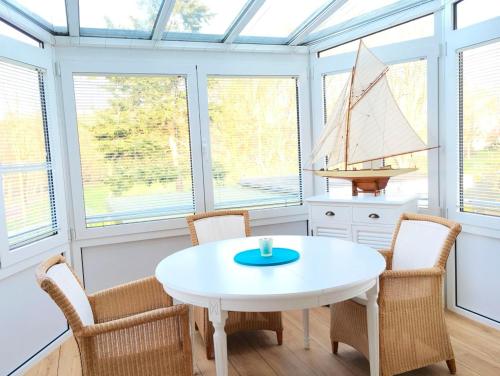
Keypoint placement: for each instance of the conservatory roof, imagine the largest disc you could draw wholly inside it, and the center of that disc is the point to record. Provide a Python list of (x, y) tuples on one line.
[(268, 22)]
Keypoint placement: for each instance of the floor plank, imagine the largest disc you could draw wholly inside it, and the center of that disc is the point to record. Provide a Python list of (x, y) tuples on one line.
[(476, 346)]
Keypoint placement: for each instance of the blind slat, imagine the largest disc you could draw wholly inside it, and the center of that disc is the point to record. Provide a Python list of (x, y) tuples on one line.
[(134, 147), (479, 129)]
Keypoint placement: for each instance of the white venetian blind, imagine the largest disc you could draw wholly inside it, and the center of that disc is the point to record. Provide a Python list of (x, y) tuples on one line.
[(134, 147), (479, 122), (25, 161), (254, 141)]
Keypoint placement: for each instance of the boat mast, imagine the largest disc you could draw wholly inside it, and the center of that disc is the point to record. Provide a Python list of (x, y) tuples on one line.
[(348, 119)]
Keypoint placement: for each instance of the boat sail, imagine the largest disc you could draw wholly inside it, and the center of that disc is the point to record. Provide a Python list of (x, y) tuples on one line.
[(365, 125)]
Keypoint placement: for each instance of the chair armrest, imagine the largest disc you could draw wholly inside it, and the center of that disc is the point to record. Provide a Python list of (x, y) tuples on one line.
[(411, 286), (180, 311), (387, 253), (129, 299)]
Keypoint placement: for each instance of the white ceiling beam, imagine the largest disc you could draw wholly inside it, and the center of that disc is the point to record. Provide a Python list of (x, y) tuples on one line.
[(15, 18), (242, 20), (374, 26), (300, 34), (161, 21), (73, 17), (64, 41)]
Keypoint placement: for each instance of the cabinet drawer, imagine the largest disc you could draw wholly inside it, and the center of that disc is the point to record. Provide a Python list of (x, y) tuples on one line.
[(374, 215), (330, 214)]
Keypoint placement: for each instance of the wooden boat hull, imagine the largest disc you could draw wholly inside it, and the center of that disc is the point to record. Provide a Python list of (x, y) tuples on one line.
[(366, 180)]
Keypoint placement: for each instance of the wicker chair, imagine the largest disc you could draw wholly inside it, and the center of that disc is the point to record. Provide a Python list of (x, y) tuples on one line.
[(221, 225), (413, 331), (128, 330)]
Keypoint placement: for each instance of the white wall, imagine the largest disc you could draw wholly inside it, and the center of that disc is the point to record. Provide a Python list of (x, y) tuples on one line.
[(108, 265), (29, 320)]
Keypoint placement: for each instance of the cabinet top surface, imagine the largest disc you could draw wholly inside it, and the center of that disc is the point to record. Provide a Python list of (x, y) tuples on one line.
[(363, 199)]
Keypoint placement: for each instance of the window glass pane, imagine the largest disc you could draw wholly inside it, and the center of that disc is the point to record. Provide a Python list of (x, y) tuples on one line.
[(420, 28), (254, 137), (204, 16), (479, 79), (352, 9), (134, 148), (51, 13), (11, 32), (132, 18), (279, 18), (469, 12), (28, 200), (408, 82), (25, 167)]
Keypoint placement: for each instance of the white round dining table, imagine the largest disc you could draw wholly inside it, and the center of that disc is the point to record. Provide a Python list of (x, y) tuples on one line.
[(328, 271)]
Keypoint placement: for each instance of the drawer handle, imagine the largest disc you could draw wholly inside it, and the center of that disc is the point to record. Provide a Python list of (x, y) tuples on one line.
[(374, 216), (329, 213)]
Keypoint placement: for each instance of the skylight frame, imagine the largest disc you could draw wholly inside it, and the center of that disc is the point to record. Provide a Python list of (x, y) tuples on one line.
[(365, 19), (38, 20)]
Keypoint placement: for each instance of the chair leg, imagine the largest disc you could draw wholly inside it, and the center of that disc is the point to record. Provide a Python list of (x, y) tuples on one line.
[(452, 366), (209, 349), (335, 347), (279, 336)]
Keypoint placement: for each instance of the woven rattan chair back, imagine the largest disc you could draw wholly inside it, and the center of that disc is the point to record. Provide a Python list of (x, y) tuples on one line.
[(454, 229), (196, 217), (56, 293)]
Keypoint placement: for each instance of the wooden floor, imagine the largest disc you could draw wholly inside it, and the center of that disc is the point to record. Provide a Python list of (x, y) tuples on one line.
[(477, 351)]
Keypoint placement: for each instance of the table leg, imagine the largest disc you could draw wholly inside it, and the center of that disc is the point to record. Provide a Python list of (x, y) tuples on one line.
[(373, 330), (305, 322), (218, 318), (191, 333)]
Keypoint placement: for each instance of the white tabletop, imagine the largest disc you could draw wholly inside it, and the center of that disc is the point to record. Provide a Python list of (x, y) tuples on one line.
[(325, 265)]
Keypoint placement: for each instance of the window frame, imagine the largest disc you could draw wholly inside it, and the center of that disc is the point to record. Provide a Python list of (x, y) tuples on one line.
[(423, 48), (255, 69), (213, 63), (110, 68), (16, 52), (459, 40)]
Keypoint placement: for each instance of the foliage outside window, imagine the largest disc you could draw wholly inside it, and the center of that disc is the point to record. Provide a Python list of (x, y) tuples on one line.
[(479, 127), (408, 82), (134, 148), (25, 160), (254, 141)]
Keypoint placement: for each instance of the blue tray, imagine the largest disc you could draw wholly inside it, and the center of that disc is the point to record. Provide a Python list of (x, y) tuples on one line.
[(280, 256)]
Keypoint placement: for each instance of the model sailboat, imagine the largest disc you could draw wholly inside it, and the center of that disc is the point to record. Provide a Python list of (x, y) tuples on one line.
[(366, 125)]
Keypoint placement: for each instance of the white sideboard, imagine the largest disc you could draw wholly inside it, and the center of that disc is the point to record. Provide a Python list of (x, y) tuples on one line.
[(364, 219)]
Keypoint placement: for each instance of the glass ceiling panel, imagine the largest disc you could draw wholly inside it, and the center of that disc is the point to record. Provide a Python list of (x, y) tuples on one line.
[(279, 18), (49, 13), (352, 9), (118, 18), (202, 17)]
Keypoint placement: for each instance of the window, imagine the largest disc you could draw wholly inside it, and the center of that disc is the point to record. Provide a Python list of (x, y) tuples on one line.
[(279, 18), (479, 127), (408, 82), (208, 17), (469, 12), (49, 13), (134, 148), (254, 138), (419, 28), (11, 32), (353, 9), (25, 160), (118, 18)]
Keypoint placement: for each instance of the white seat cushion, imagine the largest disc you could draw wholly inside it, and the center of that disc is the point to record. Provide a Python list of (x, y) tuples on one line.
[(220, 227), (418, 245), (66, 281)]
